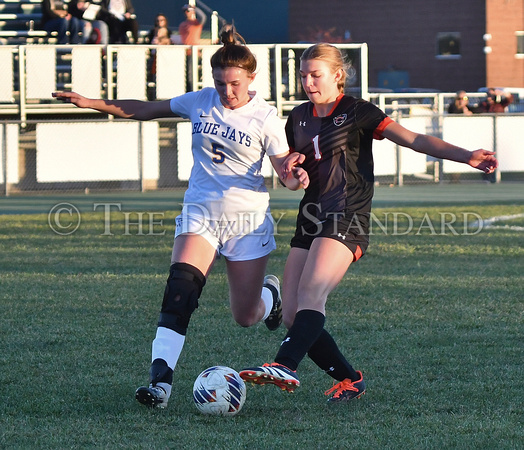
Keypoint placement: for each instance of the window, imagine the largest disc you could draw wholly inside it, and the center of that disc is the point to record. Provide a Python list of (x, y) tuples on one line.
[(520, 43), (448, 45)]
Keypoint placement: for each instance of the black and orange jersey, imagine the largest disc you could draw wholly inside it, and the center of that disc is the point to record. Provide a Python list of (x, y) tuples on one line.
[(339, 159)]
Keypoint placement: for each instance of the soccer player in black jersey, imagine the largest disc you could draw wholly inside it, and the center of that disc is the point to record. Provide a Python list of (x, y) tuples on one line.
[(331, 143)]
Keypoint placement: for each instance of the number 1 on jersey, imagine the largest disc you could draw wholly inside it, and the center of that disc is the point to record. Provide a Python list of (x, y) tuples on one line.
[(318, 154)]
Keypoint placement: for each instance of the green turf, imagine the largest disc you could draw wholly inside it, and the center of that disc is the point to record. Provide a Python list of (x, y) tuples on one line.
[(411, 195), (434, 319)]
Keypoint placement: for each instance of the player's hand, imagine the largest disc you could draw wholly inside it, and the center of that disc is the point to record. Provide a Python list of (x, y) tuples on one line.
[(293, 160), (72, 97), (483, 160), (301, 175)]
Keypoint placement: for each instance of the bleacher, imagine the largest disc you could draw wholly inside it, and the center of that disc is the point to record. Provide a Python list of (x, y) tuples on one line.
[(20, 22)]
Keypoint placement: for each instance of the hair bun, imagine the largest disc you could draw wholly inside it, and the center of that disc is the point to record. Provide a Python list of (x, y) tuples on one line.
[(234, 52), (229, 35)]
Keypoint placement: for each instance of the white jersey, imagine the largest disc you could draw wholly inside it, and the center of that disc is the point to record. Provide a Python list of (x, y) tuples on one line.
[(228, 148)]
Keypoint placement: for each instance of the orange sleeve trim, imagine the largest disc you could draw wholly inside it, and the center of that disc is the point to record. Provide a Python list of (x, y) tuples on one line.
[(377, 134)]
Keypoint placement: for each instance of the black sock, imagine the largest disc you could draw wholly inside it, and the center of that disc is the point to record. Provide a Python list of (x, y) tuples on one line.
[(325, 354), (303, 333)]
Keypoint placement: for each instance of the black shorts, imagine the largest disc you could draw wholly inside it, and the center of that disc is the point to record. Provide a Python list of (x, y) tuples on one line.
[(353, 233)]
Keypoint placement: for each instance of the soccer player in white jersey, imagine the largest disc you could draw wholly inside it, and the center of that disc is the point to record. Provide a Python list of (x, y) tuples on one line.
[(226, 205)]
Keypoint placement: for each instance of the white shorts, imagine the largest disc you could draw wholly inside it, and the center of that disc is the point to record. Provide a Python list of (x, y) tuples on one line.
[(236, 240)]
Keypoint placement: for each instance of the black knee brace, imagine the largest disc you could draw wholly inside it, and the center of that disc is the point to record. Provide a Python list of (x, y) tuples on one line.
[(183, 289)]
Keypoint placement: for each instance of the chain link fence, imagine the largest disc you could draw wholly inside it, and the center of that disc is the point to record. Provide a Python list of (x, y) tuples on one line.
[(105, 155)]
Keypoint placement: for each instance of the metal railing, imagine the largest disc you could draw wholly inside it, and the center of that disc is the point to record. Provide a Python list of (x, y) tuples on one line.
[(33, 72)]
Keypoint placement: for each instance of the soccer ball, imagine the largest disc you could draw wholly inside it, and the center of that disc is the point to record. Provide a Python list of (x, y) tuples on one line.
[(219, 390)]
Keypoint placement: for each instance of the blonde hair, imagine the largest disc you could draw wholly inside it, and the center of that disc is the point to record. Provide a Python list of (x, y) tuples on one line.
[(332, 56)]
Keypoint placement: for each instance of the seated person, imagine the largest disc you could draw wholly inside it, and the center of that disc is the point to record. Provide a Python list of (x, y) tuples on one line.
[(496, 101), (56, 17), (160, 22), (92, 14), (461, 105), (161, 37), (122, 19)]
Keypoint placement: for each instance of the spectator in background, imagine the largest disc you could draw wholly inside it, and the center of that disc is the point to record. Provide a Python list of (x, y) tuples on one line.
[(122, 19), (94, 16), (161, 37), (56, 17), (461, 105), (190, 29), (496, 101), (160, 22)]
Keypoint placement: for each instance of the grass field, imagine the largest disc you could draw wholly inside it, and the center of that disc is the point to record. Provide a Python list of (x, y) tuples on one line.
[(433, 315)]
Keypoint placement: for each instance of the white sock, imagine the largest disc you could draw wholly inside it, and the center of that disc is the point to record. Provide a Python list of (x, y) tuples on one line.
[(267, 298), (167, 345)]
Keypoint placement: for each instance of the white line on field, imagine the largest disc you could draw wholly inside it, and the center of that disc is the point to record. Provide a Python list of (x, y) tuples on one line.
[(489, 223)]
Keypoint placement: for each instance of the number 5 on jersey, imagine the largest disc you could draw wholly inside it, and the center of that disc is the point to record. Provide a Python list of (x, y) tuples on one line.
[(220, 155)]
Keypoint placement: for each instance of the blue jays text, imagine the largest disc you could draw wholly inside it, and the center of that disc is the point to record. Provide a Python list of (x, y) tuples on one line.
[(214, 128)]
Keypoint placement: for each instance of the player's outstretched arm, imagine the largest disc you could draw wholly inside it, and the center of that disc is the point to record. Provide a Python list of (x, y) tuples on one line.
[(128, 109), (430, 145)]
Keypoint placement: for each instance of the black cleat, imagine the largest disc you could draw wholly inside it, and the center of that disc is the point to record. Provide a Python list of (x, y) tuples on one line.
[(274, 319), (152, 396), (347, 389)]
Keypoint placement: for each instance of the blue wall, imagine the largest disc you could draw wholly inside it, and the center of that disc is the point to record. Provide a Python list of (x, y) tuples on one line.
[(259, 22)]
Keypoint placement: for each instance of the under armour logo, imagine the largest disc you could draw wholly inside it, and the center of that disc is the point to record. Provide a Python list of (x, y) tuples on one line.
[(285, 340), (340, 235), (302, 124)]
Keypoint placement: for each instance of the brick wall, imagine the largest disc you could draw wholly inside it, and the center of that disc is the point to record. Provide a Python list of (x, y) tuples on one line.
[(503, 18), (402, 35)]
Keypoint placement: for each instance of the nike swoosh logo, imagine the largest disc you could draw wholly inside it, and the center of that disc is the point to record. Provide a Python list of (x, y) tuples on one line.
[(263, 245)]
